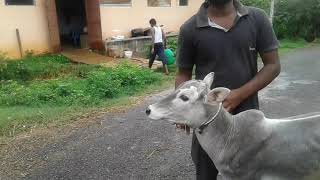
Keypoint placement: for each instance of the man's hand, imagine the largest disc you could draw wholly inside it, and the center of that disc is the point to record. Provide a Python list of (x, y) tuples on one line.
[(152, 50), (233, 100)]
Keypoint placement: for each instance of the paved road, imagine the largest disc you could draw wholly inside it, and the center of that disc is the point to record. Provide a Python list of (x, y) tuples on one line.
[(130, 147)]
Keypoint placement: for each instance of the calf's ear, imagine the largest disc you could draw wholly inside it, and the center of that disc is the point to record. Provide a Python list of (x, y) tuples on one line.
[(217, 95), (209, 79)]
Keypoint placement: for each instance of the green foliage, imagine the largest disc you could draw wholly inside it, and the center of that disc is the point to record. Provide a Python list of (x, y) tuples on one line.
[(293, 18), (42, 67), (297, 18), (288, 45), (172, 44), (34, 84), (43, 89), (41, 92), (263, 4), (125, 79)]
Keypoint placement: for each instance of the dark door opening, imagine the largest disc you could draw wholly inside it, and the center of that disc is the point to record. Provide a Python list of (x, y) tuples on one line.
[(72, 21)]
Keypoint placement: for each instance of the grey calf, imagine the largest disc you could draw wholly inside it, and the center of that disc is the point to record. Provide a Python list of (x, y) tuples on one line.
[(247, 146)]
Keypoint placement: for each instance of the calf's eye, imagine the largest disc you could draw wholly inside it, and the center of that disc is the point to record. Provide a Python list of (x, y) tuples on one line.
[(184, 98)]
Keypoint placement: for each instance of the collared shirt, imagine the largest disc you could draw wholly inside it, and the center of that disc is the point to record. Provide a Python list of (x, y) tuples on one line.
[(215, 25), (231, 54)]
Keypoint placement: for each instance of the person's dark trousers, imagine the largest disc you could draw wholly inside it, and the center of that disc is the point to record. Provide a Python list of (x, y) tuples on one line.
[(158, 50), (76, 39), (205, 169)]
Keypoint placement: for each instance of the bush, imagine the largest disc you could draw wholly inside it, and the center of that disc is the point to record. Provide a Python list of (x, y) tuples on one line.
[(98, 85), (125, 79), (42, 67), (173, 44), (103, 85), (293, 18), (298, 22), (39, 93), (263, 4)]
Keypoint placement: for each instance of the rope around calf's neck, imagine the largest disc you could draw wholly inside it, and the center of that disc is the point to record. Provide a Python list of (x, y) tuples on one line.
[(205, 124)]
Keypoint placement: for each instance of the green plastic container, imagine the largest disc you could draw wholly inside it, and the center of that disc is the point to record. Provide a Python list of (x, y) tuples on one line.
[(170, 56)]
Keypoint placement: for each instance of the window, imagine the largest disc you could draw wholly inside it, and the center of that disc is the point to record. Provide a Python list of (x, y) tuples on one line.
[(159, 3), (19, 2), (183, 2), (116, 2)]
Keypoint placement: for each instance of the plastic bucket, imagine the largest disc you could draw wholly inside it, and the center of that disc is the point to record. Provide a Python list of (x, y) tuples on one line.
[(170, 56)]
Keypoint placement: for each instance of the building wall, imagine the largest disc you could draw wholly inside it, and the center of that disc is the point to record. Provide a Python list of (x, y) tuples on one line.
[(32, 24), (121, 20)]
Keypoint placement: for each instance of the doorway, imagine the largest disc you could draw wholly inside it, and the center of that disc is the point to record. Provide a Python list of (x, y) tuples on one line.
[(72, 22), (88, 21)]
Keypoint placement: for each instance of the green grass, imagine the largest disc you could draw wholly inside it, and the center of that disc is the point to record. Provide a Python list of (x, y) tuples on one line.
[(81, 85), (17, 119), (42, 67), (287, 45), (37, 91)]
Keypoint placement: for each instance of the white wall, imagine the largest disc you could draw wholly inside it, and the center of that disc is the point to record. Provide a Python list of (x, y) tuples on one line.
[(138, 15), (32, 24)]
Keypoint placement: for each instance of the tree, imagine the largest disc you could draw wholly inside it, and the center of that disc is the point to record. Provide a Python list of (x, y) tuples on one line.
[(297, 18), (271, 11), (292, 18), (263, 4)]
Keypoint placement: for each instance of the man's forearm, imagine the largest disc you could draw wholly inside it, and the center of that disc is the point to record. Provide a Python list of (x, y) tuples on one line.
[(264, 77), (152, 44), (261, 80), (164, 38), (182, 76), (152, 38)]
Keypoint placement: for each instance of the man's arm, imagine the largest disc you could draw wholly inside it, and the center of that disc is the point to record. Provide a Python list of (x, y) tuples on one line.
[(265, 76), (164, 39), (152, 39)]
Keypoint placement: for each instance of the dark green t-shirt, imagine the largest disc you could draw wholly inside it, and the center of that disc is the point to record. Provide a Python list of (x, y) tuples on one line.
[(231, 54)]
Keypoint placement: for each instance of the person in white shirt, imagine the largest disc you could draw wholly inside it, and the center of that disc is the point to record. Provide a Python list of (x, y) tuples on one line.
[(158, 45)]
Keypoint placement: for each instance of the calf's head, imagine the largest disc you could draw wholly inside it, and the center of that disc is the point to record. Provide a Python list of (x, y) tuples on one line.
[(192, 104)]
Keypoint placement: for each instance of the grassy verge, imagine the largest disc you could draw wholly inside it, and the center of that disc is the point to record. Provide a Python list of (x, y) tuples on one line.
[(38, 91), (17, 119), (288, 45)]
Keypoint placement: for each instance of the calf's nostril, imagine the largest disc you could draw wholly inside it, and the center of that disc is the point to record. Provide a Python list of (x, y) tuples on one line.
[(148, 111)]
